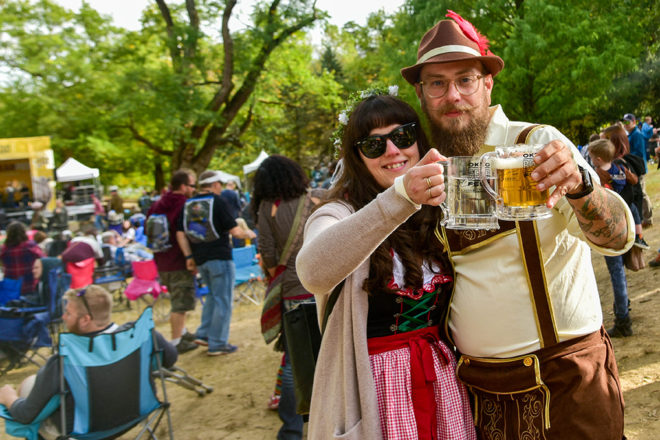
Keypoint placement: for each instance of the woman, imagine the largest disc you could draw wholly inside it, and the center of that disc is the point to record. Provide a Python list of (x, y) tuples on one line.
[(280, 188), (383, 371), (21, 258), (632, 194)]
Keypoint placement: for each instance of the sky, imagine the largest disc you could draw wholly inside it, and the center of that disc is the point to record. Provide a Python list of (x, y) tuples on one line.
[(126, 13)]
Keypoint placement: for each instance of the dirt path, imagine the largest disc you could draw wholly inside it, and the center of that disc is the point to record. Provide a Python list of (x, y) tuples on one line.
[(243, 381)]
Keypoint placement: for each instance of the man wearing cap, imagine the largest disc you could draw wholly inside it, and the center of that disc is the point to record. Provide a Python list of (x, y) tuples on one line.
[(637, 143), (175, 265), (206, 222), (525, 312), (116, 202)]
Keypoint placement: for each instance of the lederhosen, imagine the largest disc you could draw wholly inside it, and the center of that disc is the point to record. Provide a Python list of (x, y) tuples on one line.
[(566, 390)]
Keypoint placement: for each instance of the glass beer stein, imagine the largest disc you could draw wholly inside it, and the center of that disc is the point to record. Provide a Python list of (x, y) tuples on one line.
[(514, 190), (467, 206)]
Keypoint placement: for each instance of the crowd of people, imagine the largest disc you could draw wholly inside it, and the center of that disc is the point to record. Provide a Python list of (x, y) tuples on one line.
[(436, 333)]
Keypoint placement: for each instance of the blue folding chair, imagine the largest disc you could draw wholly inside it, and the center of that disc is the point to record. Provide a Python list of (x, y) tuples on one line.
[(26, 328), (112, 275), (10, 290), (105, 408), (247, 285)]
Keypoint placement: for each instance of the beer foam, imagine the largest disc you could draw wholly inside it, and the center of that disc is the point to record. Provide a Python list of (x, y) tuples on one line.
[(508, 163)]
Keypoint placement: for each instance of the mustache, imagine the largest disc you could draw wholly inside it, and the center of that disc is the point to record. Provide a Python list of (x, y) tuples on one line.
[(453, 108)]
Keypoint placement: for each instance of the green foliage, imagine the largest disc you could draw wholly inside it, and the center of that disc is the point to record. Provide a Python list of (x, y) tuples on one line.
[(179, 92)]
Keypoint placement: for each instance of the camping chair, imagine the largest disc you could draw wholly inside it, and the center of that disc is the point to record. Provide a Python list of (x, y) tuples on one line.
[(146, 282), (112, 274), (10, 290), (107, 408), (180, 377), (24, 331), (82, 273), (26, 328), (248, 284)]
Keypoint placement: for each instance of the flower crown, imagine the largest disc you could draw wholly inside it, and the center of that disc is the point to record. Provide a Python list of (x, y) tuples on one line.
[(353, 99)]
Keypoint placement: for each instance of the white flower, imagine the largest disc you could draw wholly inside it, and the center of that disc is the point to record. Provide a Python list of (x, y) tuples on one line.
[(393, 90), (343, 117)]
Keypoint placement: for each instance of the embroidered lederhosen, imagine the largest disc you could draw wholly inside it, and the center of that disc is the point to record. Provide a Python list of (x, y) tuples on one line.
[(512, 396)]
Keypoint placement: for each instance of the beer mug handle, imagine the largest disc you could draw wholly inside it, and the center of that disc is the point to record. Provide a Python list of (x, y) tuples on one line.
[(445, 214), (483, 177)]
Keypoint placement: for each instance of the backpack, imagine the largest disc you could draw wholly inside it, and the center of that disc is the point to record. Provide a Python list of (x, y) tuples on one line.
[(157, 230), (198, 220)]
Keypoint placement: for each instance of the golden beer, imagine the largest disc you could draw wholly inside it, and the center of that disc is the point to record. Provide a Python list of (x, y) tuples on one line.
[(515, 185)]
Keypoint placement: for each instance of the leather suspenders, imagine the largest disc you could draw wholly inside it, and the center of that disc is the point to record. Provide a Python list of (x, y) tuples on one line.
[(530, 247)]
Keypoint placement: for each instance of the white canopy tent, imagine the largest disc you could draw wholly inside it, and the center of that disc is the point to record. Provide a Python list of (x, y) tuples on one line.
[(252, 166), (72, 170)]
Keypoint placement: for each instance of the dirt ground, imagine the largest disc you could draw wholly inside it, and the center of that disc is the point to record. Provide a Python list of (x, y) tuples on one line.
[(243, 381)]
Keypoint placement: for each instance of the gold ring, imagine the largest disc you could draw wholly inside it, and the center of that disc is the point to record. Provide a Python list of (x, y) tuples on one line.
[(430, 196), (428, 182)]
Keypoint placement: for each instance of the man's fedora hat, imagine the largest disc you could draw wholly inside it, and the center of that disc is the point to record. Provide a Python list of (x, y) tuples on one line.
[(452, 40)]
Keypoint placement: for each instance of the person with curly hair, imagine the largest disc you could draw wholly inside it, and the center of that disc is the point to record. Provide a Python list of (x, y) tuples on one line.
[(280, 189), (383, 370)]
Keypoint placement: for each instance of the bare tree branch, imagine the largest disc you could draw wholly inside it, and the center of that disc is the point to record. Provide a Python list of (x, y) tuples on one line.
[(228, 71), (140, 138), (193, 35), (171, 36)]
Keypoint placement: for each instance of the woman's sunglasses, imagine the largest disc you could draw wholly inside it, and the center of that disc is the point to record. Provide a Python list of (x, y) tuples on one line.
[(403, 137)]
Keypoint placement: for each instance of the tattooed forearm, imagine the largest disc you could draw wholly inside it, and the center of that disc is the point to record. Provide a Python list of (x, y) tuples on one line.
[(602, 218)]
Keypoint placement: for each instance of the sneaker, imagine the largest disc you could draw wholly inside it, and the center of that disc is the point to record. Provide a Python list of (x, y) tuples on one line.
[(185, 346), (190, 337), (224, 350), (640, 243), (202, 340), (274, 402), (655, 262)]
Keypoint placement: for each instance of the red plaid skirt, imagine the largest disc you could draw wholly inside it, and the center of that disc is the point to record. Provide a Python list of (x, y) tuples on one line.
[(419, 396)]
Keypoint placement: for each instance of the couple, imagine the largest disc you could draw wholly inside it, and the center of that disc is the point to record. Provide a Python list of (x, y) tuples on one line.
[(385, 368)]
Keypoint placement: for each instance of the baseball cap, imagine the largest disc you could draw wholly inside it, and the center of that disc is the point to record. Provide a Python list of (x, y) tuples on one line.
[(629, 117)]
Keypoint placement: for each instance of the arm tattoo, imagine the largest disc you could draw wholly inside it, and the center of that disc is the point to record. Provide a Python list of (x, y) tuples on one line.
[(603, 219)]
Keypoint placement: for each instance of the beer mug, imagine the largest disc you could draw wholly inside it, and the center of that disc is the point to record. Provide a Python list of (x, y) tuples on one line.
[(514, 191), (467, 206)]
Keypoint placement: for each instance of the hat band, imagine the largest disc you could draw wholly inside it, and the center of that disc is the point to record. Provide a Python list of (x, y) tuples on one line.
[(447, 49)]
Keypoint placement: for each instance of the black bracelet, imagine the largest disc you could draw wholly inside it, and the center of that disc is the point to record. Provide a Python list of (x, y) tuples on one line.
[(188, 257)]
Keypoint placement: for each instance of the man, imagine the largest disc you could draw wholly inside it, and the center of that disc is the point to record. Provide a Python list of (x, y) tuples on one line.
[(175, 265), (637, 143), (116, 202), (525, 312), (87, 312), (230, 195), (206, 222)]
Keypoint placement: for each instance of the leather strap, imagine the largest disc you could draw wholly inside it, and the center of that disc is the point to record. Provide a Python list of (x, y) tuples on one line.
[(530, 247), (533, 261)]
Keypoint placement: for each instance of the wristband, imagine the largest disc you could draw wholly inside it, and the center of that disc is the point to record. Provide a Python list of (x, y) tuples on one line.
[(188, 257)]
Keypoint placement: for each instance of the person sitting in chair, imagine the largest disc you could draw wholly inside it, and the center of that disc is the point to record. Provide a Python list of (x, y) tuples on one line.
[(87, 312)]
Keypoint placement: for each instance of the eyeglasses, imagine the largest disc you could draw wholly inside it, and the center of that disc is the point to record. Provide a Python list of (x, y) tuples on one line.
[(81, 295), (402, 137), (465, 85), (193, 186)]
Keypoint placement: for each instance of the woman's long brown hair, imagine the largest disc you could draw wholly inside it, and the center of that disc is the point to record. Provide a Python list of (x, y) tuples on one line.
[(414, 240)]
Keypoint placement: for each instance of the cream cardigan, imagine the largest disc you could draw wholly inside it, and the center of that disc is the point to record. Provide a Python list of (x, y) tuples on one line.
[(337, 246)]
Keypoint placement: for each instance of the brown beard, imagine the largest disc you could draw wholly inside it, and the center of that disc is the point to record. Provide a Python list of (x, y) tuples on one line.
[(459, 142)]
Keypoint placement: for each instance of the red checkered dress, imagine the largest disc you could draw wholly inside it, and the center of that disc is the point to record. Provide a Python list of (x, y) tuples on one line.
[(405, 399)]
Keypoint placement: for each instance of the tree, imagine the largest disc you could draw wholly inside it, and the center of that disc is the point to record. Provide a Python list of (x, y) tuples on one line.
[(215, 124)]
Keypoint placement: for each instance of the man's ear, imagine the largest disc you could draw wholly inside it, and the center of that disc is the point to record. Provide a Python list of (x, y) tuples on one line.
[(418, 91), (488, 84)]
